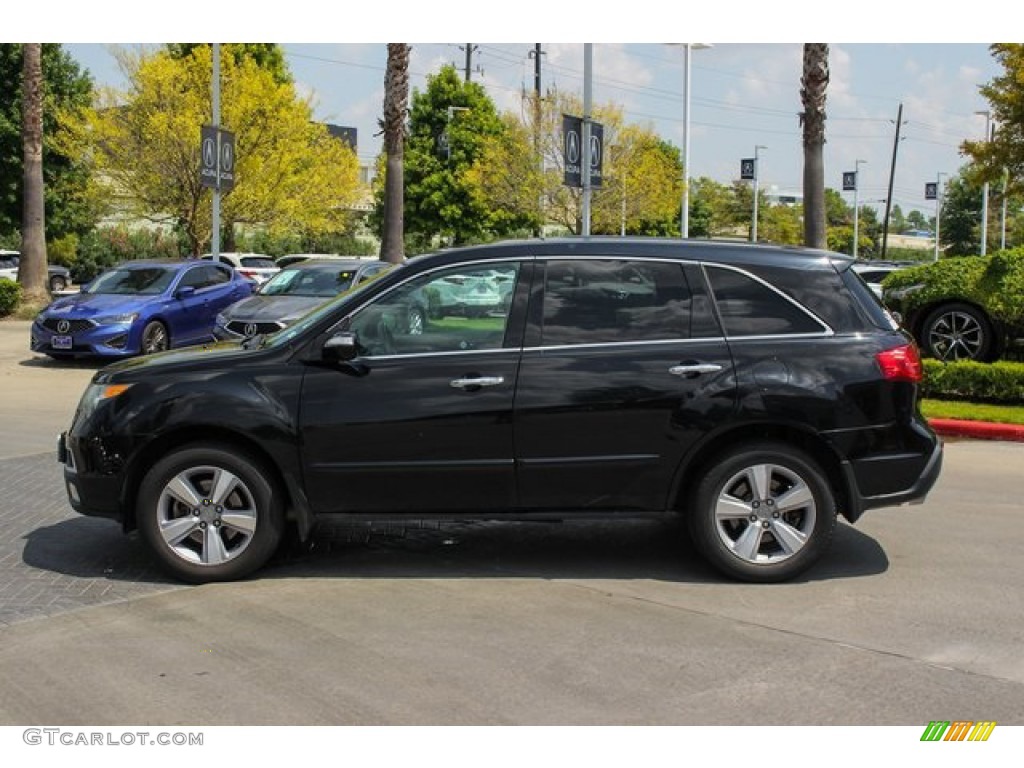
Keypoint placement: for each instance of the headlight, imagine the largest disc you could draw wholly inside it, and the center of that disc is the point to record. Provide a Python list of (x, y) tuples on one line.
[(96, 394), (123, 319), (221, 319)]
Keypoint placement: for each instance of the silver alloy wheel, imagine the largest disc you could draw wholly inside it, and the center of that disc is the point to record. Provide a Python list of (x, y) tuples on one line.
[(765, 514), (206, 515), (154, 338), (956, 336)]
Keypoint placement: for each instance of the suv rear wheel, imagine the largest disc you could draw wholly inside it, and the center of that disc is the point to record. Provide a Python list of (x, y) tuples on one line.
[(763, 513)]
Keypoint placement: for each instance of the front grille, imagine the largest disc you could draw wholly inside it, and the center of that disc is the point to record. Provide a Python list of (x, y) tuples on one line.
[(73, 326), (243, 328)]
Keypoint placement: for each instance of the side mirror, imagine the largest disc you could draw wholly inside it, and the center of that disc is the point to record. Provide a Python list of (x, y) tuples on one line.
[(184, 292), (341, 347)]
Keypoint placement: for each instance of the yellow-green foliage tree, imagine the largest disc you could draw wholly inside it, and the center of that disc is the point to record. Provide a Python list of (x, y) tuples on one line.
[(290, 174), (636, 166)]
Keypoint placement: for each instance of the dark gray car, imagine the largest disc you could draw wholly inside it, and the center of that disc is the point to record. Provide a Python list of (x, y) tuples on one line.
[(291, 293)]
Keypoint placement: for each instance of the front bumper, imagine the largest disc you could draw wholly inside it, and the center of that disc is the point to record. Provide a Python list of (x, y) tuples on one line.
[(89, 493), (116, 340)]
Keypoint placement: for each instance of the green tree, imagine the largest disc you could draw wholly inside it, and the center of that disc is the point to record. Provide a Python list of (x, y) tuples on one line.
[(289, 172), (71, 206), (1005, 95), (897, 221), (780, 224), (917, 220), (450, 125), (814, 84), (715, 210), (837, 212), (961, 216), (268, 56)]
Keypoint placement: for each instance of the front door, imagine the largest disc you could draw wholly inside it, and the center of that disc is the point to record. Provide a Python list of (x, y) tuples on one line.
[(421, 420)]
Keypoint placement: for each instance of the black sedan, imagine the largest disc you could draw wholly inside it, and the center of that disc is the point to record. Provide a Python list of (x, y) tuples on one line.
[(291, 293)]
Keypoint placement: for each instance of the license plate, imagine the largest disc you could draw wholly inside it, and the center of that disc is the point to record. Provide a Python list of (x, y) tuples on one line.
[(61, 342)]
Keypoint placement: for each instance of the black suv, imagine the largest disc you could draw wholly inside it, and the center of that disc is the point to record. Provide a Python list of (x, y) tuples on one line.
[(757, 391)]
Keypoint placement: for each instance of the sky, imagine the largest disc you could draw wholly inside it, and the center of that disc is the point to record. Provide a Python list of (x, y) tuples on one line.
[(744, 88)]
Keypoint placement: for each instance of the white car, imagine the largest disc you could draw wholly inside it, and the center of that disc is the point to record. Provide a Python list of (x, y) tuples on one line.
[(874, 272), (256, 267)]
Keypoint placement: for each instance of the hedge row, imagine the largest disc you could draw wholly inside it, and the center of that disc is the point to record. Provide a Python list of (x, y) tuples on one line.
[(999, 382)]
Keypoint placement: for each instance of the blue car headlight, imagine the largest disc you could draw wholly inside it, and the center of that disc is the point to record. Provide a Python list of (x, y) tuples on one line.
[(221, 319), (125, 318)]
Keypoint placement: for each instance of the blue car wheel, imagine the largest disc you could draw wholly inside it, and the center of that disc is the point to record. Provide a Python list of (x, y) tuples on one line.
[(154, 337)]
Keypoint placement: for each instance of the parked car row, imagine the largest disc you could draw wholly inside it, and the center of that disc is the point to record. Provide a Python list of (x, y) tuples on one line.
[(144, 307), (59, 278)]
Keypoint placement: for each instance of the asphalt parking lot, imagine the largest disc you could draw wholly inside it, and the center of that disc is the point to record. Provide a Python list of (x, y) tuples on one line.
[(916, 614)]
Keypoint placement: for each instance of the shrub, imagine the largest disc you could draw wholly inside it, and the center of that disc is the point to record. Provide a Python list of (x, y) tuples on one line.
[(1000, 382), (10, 296), (103, 248), (994, 282)]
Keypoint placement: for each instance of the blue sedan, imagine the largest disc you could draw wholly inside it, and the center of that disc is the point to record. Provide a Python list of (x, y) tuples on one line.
[(139, 307)]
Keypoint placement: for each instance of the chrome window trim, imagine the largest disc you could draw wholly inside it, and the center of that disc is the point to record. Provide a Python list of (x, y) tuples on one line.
[(460, 352), (646, 343)]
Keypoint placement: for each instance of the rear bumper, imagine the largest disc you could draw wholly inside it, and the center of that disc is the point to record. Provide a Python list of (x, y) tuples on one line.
[(914, 493)]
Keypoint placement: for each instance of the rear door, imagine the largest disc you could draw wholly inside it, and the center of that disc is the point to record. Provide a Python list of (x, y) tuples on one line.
[(624, 368)]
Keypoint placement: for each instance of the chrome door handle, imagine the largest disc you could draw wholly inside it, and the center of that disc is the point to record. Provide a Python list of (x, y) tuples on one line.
[(479, 381), (694, 369)]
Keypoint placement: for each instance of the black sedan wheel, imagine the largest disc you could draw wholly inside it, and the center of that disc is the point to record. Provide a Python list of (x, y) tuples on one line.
[(154, 338), (957, 332), (210, 514), (763, 513)]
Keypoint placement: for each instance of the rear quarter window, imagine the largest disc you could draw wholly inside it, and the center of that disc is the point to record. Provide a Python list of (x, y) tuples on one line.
[(751, 308)]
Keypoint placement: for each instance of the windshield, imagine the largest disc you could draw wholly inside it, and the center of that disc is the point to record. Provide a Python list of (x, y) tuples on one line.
[(326, 282), (323, 310), (150, 281)]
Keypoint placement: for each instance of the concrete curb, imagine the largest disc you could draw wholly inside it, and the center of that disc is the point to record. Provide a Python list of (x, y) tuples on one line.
[(978, 430)]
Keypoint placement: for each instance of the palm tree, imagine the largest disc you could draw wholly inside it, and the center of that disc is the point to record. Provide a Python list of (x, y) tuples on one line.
[(396, 100), (812, 93), (32, 267)]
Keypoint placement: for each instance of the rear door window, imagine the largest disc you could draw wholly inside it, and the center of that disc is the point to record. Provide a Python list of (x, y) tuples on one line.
[(613, 300)]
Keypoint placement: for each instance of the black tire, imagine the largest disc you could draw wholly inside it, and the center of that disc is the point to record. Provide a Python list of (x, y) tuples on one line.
[(231, 524), (58, 283), (154, 338), (743, 531), (957, 332)]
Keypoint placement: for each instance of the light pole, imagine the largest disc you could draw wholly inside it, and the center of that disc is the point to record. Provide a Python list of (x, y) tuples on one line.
[(984, 187), (856, 202), (684, 223), (757, 173), (447, 128), (938, 210)]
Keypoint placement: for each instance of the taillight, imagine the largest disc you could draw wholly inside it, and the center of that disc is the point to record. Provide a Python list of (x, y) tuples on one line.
[(246, 273), (901, 364)]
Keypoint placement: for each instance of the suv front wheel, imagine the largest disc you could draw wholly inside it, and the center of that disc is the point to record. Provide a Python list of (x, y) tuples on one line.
[(763, 513), (209, 513)]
